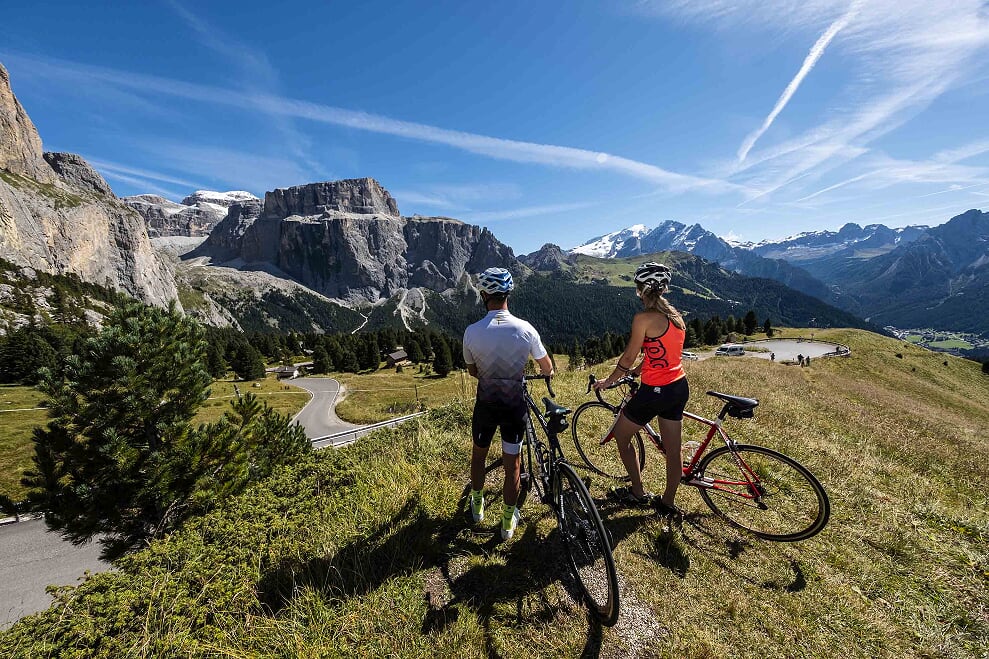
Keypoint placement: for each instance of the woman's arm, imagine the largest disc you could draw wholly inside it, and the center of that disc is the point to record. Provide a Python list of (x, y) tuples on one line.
[(627, 361)]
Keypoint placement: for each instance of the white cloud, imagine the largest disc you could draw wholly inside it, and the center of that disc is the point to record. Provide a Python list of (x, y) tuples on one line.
[(904, 55), (527, 211), (493, 147), (809, 62)]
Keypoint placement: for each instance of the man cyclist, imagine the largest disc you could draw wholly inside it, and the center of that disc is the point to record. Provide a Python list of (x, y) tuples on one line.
[(496, 349)]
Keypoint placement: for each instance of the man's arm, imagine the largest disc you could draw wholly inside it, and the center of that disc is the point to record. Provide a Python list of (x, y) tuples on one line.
[(472, 369), (545, 365)]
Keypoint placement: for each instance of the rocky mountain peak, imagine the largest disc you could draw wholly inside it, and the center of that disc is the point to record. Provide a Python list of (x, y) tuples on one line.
[(363, 196), (74, 170), (20, 144), (225, 199), (549, 258)]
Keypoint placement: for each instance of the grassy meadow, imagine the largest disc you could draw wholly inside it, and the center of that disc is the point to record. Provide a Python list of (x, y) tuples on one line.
[(367, 551), (16, 427)]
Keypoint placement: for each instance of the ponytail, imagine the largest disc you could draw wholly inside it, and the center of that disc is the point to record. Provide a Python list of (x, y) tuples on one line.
[(654, 299)]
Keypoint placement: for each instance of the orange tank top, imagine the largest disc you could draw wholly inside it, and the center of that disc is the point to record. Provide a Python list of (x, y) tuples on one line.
[(663, 358)]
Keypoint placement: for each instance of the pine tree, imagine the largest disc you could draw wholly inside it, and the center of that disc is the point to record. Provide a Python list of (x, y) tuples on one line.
[(749, 323), (247, 363), (415, 352), (23, 355), (768, 328), (690, 338), (348, 361), (321, 362), (443, 362)]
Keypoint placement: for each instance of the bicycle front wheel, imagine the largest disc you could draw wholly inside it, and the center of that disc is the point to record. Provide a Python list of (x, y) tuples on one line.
[(587, 544), (591, 423), (764, 492)]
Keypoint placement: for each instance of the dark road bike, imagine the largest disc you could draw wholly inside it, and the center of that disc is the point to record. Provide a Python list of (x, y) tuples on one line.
[(545, 470), (752, 487)]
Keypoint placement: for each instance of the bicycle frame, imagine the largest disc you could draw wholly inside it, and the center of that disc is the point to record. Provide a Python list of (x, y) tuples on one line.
[(753, 487), (545, 458)]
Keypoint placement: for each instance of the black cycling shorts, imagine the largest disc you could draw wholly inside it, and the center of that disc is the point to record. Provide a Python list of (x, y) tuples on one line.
[(666, 402), (489, 416)]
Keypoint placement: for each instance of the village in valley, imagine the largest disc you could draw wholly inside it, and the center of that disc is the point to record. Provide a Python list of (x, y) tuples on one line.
[(955, 343)]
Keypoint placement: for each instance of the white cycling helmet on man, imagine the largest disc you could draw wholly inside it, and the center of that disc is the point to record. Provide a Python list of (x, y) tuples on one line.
[(653, 275), (495, 281)]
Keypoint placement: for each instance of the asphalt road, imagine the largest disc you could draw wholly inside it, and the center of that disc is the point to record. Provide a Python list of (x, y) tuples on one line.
[(31, 558), (788, 349), (317, 416)]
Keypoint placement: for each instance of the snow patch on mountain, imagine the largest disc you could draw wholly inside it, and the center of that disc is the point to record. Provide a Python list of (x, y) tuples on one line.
[(608, 245)]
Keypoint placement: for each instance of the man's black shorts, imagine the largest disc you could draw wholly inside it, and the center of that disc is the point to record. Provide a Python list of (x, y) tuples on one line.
[(489, 416), (666, 402)]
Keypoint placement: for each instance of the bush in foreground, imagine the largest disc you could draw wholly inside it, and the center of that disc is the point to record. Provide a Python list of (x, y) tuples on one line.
[(120, 459)]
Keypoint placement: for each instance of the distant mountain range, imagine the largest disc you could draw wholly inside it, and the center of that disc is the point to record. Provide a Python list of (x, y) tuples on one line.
[(339, 256), (914, 276)]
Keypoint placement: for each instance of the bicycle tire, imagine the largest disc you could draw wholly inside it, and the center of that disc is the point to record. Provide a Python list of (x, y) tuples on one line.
[(796, 507), (591, 421), (587, 544)]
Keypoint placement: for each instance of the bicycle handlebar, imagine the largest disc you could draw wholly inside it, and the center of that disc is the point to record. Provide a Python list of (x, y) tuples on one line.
[(591, 380), (547, 378)]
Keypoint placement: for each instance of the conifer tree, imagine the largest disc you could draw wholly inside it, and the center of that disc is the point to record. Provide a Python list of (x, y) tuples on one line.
[(443, 362), (120, 459), (768, 328), (749, 323), (415, 352), (321, 362), (348, 361)]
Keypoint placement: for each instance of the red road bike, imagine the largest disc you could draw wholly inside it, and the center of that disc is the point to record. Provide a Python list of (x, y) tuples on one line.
[(752, 487)]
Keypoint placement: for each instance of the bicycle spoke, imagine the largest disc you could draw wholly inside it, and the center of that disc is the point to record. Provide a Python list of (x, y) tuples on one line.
[(585, 538), (776, 498), (591, 424)]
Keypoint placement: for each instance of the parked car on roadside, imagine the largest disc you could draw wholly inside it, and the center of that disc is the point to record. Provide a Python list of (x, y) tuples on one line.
[(730, 350), (689, 356)]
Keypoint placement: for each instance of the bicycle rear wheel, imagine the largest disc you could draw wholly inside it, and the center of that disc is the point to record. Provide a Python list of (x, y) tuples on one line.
[(591, 423), (587, 544), (784, 501)]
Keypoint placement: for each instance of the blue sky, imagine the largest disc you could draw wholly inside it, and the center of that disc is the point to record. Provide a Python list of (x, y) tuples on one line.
[(545, 122)]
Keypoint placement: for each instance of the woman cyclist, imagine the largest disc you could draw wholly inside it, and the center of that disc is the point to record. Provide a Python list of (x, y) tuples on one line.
[(658, 332)]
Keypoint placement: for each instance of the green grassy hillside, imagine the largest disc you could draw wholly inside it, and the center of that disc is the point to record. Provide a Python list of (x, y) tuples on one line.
[(364, 551)]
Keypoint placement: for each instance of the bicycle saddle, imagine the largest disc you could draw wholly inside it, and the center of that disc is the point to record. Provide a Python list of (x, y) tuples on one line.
[(739, 402), (552, 409)]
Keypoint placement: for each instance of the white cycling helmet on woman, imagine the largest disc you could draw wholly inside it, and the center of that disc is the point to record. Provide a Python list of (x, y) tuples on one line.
[(653, 275), (495, 281)]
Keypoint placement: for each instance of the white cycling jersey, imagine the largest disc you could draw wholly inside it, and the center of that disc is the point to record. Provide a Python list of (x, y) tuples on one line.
[(499, 345)]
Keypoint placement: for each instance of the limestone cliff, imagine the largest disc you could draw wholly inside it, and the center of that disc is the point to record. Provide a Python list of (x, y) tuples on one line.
[(58, 215), (347, 240), (197, 215)]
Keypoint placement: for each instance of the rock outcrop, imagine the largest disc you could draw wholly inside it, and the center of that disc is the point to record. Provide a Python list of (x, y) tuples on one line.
[(549, 258), (197, 215), (78, 173), (20, 144), (224, 241), (347, 240), (62, 217)]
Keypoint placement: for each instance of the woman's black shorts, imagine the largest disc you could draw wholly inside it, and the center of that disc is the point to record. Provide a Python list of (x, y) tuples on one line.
[(666, 402)]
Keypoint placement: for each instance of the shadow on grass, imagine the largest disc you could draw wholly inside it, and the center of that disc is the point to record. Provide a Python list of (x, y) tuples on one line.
[(413, 541)]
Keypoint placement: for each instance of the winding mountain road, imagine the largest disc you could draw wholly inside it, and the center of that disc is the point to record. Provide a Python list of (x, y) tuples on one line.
[(318, 417)]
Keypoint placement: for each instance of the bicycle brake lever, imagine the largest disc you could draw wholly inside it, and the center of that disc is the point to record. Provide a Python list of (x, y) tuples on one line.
[(549, 385)]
